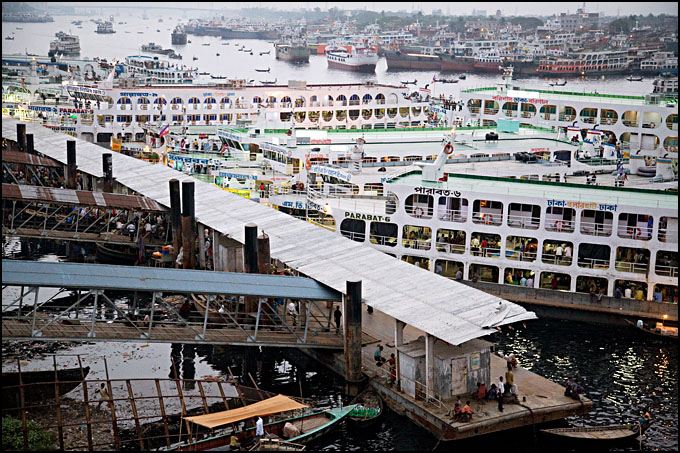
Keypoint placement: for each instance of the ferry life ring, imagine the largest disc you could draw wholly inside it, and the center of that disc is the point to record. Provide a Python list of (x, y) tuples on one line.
[(609, 121), (634, 232), (652, 125), (559, 225), (308, 163), (488, 218), (418, 211), (448, 149)]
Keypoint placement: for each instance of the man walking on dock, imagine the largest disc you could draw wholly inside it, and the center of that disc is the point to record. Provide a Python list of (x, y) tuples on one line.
[(337, 315), (292, 312)]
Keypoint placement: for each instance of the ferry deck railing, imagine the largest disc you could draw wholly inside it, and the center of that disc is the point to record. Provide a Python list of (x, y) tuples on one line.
[(628, 266), (666, 271), (643, 233), (551, 258), (453, 215), (486, 252), (487, 218), (518, 255), (524, 222), (417, 244), (566, 226), (451, 248), (596, 229), (593, 263), (668, 235), (387, 241)]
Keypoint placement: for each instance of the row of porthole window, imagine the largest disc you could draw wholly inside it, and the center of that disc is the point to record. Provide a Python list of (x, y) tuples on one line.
[(271, 99)]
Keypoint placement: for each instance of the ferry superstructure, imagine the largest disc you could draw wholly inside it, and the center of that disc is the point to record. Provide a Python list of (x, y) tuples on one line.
[(358, 58), (644, 127), (64, 44), (120, 110), (569, 237)]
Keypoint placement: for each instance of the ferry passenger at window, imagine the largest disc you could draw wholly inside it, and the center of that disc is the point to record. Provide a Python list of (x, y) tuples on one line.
[(554, 283), (617, 293)]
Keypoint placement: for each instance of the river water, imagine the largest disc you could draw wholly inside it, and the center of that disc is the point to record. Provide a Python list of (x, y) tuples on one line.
[(623, 372)]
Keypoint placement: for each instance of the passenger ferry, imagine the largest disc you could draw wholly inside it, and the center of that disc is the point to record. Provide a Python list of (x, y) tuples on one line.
[(605, 125), (568, 237), (121, 108), (105, 28), (65, 44), (352, 58)]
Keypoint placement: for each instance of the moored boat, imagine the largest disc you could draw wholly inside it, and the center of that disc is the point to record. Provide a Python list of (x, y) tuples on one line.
[(268, 444), (659, 331), (369, 408), (602, 434), (352, 58)]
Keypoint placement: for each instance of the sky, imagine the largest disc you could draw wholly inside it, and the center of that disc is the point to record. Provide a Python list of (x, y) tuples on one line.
[(453, 8)]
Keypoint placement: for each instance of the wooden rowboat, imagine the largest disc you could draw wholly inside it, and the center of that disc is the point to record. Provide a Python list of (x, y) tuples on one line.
[(214, 317), (39, 385), (369, 408), (599, 433), (667, 333), (267, 444)]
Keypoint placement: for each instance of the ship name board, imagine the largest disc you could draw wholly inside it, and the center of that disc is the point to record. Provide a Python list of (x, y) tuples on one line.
[(581, 205), (39, 108), (191, 160), (131, 95), (332, 172), (433, 191), (533, 150), (225, 174), (77, 89), (514, 99), (373, 217), (274, 148)]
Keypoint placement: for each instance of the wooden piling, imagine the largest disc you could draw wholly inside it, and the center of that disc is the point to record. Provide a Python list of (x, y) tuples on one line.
[(30, 147), (188, 225), (21, 136), (250, 264), (175, 215), (352, 322), (107, 164), (71, 164)]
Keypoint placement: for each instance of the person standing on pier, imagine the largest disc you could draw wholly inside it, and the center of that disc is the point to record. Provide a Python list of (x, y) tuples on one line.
[(501, 391), (292, 312), (393, 369), (337, 315)]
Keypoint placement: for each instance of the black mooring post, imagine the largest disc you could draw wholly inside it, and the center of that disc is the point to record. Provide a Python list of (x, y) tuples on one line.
[(352, 315)]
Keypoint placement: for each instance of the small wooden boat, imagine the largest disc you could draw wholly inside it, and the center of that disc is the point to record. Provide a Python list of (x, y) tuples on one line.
[(267, 444), (312, 423), (218, 54), (265, 53), (558, 83), (214, 316), (462, 77), (409, 83), (263, 70), (117, 254), (41, 384), (369, 408), (266, 82), (611, 433), (634, 78), (661, 331)]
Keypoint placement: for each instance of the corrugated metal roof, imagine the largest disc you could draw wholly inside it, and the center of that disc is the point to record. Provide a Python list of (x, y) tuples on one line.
[(80, 198), (437, 305), (135, 278), (18, 157)]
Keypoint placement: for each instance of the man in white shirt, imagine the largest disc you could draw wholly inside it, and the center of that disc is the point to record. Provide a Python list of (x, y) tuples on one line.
[(259, 428), (558, 253), (628, 293), (567, 254), (292, 312), (501, 390), (530, 282)]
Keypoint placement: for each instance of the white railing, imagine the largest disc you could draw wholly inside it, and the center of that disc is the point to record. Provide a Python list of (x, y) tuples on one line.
[(566, 226), (551, 258), (666, 271), (635, 232), (596, 229), (417, 244), (628, 266), (419, 212), (355, 236), (526, 222), (450, 248), (668, 235), (487, 218), (488, 252), (388, 241), (453, 215), (518, 255), (593, 263)]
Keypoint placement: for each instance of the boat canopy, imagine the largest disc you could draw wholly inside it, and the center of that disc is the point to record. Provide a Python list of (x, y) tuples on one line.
[(275, 405)]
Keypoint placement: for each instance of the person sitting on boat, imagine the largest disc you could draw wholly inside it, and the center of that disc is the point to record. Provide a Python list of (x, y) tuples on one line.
[(466, 413), (377, 356), (259, 428), (569, 387)]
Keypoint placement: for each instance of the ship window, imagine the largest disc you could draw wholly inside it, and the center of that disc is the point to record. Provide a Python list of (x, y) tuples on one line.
[(485, 244), (666, 263), (383, 233), (513, 276), (556, 281), (593, 256), (591, 285), (596, 223), (557, 252), (630, 259), (353, 229), (669, 293), (668, 229), (452, 209), (418, 261), (560, 219), (176, 100), (419, 206), (526, 216), (521, 248), (194, 101), (373, 188), (451, 241), (484, 273), (635, 226), (416, 237), (123, 100), (487, 212), (448, 268)]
